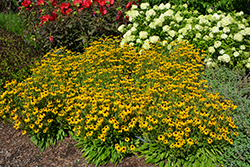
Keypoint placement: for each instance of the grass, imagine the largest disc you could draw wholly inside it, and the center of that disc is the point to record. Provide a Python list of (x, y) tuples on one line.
[(223, 80)]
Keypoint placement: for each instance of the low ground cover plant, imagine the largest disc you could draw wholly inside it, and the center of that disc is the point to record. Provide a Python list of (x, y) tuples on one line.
[(102, 99), (224, 36)]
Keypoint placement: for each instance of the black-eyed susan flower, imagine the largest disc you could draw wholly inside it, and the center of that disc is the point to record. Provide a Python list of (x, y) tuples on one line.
[(132, 147), (24, 132), (172, 145), (124, 149), (165, 142), (219, 137), (187, 129), (127, 139), (209, 140), (169, 134), (36, 131), (236, 133), (161, 137), (32, 126), (230, 141), (190, 141)]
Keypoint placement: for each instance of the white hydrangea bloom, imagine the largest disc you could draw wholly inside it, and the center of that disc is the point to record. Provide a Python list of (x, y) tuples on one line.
[(216, 16), (169, 13), (198, 27), (211, 49), (132, 14), (148, 18), (131, 44), (150, 12), (215, 29), (128, 33), (164, 43), (233, 49), (154, 39), (247, 31), (238, 37), (122, 43), (169, 47), (158, 22), (185, 5), (134, 7), (156, 7), (188, 27), (179, 18), (210, 10), (173, 7), (171, 33), (217, 44), (236, 54), (211, 35), (226, 29), (167, 6), (183, 31), (143, 34), (242, 32), (144, 6), (209, 64), (222, 51), (133, 29), (206, 38), (203, 21), (198, 35), (121, 28), (138, 41), (165, 28), (248, 65), (162, 6), (242, 47), (226, 58), (220, 58), (224, 36), (146, 44), (135, 25), (241, 26), (152, 25)]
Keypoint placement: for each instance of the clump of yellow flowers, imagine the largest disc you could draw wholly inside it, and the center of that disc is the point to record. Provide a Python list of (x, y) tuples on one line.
[(109, 92)]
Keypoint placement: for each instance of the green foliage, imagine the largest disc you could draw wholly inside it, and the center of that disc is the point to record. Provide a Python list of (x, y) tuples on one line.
[(9, 6), (75, 31), (234, 87), (16, 57), (223, 5)]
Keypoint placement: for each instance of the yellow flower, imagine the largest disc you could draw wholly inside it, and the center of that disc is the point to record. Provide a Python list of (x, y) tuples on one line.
[(187, 129), (209, 141), (37, 130), (165, 142), (230, 141), (161, 137), (190, 141), (132, 147), (127, 139), (50, 120), (32, 126), (24, 132), (119, 149), (172, 145), (219, 137), (124, 149), (169, 134), (236, 133)]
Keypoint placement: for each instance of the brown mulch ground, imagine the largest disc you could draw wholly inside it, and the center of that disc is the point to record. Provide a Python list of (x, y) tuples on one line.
[(18, 150)]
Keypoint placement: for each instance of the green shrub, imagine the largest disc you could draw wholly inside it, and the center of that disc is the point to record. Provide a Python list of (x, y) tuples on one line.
[(227, 45), (16, 57), (108, 94), (75, 31)]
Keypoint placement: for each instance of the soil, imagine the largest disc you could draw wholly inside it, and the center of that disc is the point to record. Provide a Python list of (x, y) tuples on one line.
[(17, 150)]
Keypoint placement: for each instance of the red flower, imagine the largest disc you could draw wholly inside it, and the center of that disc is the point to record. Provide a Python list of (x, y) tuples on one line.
[(53, 15), (64, 6), (80, 9), (68, 11), (87, 3), (128, 6), (26, 3), (51, 39), (103, 10), (45, 18), (54, 2), (40, 1), (79, 2), (119, 15)]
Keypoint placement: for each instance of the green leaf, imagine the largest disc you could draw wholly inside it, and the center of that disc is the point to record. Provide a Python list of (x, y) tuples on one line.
[(196, 163), (162, 155), (161, 164)]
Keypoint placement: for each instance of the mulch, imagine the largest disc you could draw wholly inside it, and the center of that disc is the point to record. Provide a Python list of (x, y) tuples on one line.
[(17, 150)]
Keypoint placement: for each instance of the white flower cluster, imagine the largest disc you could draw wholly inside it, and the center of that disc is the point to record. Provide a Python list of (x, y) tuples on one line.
[(212, 32)]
